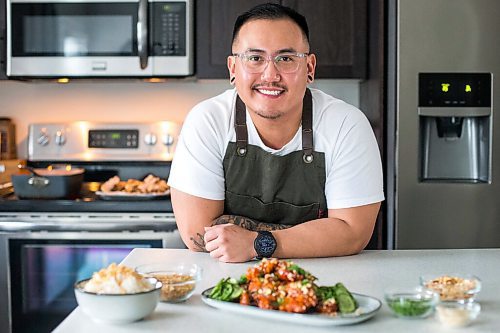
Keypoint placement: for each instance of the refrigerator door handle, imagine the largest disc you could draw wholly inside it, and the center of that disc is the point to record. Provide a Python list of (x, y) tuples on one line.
[(142, 33)]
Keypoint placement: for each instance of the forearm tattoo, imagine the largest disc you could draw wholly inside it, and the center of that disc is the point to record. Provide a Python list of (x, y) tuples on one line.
[(249, 224), (199, 242), (241, 221)]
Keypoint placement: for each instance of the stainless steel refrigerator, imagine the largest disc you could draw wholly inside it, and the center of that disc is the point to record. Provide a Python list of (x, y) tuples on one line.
[(443, 131)]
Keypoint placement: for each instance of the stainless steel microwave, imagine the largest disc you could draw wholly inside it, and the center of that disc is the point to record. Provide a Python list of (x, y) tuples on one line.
[(98, 38)]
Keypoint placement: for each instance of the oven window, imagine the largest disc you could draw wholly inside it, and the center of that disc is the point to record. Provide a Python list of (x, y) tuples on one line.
[(91, 29), (43, 273)]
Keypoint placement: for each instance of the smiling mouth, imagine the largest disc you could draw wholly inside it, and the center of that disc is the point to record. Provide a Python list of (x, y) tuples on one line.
[(269, 92)]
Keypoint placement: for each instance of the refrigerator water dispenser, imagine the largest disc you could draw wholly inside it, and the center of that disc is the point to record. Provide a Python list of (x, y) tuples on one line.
[(455, 127)]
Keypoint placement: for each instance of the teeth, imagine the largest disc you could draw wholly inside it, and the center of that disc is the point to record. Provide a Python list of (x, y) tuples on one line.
[(270, 92)]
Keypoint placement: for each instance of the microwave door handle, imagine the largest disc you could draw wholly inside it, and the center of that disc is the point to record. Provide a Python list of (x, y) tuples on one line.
[(142, 33)]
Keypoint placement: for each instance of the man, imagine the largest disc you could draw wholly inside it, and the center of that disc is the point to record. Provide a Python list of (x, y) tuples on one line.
[(272, 168)]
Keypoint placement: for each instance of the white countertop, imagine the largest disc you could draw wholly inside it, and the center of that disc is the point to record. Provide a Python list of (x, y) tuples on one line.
[(368, 273)]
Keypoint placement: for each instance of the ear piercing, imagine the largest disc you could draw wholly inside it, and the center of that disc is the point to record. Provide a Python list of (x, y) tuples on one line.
[(231, 81), (310, 78)]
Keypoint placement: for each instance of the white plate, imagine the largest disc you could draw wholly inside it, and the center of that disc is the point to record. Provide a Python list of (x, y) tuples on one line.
[(118, 195), (368, 306)]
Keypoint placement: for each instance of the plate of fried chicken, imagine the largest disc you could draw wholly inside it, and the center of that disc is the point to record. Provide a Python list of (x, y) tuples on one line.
[(151, 187)]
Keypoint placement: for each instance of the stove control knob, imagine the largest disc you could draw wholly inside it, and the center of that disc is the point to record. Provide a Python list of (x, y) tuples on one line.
[(60, 138), (167, 139), (150, 139), (43, 139)]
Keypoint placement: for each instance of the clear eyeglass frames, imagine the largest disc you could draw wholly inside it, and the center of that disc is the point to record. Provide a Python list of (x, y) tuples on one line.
[(254, 62)]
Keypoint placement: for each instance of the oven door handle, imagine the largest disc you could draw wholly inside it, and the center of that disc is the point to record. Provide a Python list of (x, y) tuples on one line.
[(18, 226), (142, 33)]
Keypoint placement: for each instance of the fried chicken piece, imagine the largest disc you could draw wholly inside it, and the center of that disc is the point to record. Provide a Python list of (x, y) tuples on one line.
[(120, 186), (161, 186), (110, 184), (151, 179), (153, 184), (328, 306), (284, 272), (299, 297), (131, 185), (245, 298), (264, 301)]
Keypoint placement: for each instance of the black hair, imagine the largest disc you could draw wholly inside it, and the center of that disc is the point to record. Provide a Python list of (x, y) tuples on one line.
[(270, 11)]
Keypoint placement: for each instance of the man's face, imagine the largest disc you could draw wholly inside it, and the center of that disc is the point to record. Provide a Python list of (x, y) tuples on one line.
[(271, 94)]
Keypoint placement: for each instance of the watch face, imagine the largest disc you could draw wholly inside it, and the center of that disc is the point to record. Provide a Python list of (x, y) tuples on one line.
[(265, 245)]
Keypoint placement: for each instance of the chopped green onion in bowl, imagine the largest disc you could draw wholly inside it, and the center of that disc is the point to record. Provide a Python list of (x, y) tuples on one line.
[(411, 303)]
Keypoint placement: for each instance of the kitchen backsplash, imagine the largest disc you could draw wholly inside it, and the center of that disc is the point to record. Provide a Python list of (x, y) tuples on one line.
[(120, 100)]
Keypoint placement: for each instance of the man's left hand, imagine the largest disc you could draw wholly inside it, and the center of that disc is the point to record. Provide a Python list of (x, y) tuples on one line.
[(230, 243)]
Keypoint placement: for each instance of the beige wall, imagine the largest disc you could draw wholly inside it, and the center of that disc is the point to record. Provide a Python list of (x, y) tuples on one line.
[(119, 100)]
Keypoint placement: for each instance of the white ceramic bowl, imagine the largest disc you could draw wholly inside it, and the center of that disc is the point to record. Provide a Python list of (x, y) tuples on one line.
[(117, 308)]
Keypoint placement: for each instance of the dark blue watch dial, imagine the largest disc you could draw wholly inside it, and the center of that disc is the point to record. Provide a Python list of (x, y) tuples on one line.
[(265, 244)]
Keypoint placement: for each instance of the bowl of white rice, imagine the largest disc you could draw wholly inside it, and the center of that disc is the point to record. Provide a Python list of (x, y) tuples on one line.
[(117, 295)]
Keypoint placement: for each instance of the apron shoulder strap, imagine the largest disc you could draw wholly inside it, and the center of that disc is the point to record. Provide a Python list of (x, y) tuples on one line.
[(307, 132), (240, 126)]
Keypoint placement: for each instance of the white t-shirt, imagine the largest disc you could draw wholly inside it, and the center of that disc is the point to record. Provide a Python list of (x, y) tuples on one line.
[(341, 131)]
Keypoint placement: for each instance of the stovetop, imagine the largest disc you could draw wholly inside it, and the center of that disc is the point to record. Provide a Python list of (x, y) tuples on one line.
[(87, 212), (87, 201)]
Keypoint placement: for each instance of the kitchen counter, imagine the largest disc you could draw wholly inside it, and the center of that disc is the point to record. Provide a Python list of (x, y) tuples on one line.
[(368, 273)]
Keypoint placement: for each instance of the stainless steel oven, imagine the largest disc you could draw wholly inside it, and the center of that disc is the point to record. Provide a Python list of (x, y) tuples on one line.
[(41, 268), (95, 38), (47, 245)]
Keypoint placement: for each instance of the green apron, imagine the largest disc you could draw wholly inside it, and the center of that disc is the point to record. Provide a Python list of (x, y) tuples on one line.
[(274, 189)]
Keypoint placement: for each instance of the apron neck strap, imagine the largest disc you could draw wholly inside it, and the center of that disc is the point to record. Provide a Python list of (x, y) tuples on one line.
[(307, 132), (240, 126)]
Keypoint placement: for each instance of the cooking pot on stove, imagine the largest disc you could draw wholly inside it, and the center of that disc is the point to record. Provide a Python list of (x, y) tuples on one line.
[(48, 183)]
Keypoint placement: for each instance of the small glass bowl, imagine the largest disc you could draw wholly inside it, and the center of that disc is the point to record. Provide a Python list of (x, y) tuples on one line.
[(411, 303), (179, 280), (457, 314), (453, 287)]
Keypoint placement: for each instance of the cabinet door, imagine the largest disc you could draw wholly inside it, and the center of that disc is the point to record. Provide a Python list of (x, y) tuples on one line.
[(338, 35), (214, 29), (3, 40)]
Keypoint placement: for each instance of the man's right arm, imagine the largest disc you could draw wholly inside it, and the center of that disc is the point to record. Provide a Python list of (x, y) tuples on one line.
[(192, 215)]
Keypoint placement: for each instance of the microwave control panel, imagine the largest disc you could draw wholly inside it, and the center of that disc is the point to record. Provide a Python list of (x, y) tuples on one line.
[(169, 32)]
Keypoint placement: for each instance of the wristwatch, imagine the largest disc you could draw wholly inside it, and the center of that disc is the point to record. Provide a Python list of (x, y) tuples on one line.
[(264, 244)]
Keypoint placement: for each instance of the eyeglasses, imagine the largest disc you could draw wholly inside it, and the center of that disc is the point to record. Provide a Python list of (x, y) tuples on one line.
[(254, 62)]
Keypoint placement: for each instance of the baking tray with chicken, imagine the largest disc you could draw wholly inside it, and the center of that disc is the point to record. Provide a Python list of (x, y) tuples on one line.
[(150, 188)]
